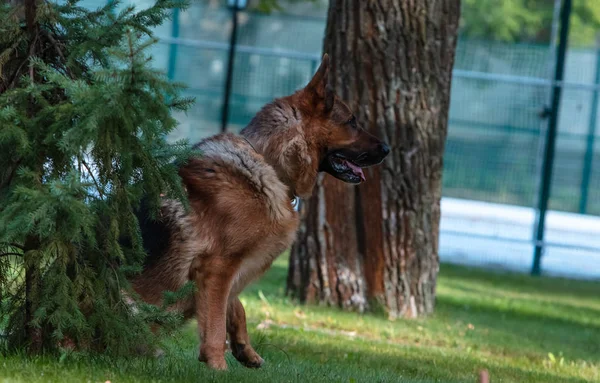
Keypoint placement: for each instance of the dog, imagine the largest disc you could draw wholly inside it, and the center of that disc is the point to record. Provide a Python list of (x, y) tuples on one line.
[(241, 217)]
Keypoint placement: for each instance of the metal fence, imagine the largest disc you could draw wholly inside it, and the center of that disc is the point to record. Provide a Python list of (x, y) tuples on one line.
[(508, 102)]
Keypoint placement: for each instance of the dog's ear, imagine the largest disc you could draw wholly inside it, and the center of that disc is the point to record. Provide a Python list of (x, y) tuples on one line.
[(320, 80), (329, 98), (319, 87)]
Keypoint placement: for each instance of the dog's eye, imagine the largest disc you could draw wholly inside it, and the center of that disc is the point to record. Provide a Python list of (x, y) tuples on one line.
[(352, 122)]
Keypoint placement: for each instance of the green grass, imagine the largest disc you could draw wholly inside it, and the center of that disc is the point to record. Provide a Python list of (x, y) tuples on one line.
[(521, 329)]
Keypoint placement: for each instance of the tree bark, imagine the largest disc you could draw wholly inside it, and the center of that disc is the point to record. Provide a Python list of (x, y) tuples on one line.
[(377, 244)]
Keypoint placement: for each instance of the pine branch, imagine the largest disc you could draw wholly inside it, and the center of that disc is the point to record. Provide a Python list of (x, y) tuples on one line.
[(8, 254), (59, 51), (11, 174), (15, 245), (25, 60), (93, 178), (17, 73), (131, 57)]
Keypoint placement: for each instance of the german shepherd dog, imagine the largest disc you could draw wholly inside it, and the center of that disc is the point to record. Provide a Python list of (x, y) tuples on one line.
[(241, 216)]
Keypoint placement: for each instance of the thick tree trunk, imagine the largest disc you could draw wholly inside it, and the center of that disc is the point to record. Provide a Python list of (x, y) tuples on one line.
[(391, 61)]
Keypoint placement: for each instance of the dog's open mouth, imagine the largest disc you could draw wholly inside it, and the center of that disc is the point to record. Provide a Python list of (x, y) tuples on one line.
[(343, 168)]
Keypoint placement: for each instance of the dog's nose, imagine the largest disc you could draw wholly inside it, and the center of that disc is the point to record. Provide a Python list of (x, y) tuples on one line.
[(383, 148)]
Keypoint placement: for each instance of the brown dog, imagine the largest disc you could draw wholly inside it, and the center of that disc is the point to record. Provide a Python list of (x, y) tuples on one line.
[(241, 216)]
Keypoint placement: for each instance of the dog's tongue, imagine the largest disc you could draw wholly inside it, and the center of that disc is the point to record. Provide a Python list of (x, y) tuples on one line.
[(358, 171)]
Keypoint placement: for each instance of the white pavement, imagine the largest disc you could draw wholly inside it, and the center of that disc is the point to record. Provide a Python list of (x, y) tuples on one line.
[(500, 236)]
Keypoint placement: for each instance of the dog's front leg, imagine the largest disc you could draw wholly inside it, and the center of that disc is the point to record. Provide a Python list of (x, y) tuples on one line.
[(238, 335), (213, 281)]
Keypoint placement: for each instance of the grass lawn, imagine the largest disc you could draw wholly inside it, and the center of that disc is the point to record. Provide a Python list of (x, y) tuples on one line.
[(521, 329)]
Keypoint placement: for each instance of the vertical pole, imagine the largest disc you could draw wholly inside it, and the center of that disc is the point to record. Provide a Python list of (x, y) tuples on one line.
[(589, 148), (230, 60), (173, 47), (546, 177)]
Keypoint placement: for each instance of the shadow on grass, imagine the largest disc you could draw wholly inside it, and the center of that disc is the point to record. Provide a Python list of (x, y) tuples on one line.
[(522, 283), (513, 324), (291, 356), (333, 352), (527, 333), (569, 313), (525, 313), (273, 283), (294, 355)]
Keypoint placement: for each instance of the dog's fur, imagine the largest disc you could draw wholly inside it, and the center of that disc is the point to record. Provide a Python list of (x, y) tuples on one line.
[(241, 216)]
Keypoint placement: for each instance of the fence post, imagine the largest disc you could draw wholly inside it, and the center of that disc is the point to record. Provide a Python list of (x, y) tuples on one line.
[(550, 146), (235, 6), (589, 148), (173, 47)]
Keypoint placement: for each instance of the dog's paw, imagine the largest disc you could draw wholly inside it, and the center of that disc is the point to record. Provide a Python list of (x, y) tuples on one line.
[(254, 361), (217, 364), (214, 361), (246, 355)]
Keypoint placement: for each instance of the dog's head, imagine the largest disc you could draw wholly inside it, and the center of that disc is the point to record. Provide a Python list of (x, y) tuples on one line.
[(314, 131), (345, 147)]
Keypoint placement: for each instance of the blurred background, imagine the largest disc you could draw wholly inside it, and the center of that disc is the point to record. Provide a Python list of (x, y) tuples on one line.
[(500, 109)]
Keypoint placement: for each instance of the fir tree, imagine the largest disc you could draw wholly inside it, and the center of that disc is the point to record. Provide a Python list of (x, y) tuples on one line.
[(83, 125)]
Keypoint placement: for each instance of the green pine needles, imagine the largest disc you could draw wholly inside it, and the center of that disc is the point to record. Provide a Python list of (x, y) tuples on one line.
[(83, 124)]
